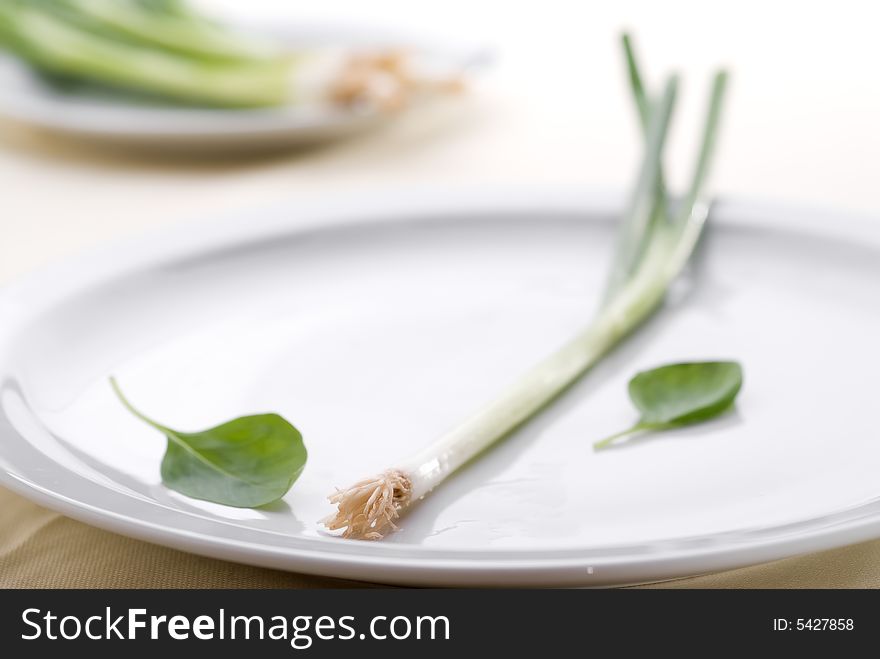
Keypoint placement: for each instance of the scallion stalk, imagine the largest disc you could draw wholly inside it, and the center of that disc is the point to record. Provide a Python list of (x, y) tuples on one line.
[(174, 28), (149, 48), (164, 50), (651, 254)]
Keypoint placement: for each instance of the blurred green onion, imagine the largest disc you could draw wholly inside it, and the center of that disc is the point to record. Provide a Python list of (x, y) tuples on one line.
[(158, 47)]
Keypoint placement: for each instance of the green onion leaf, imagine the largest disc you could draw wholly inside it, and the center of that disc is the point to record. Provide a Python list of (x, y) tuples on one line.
[(152, 49), (636, 230)]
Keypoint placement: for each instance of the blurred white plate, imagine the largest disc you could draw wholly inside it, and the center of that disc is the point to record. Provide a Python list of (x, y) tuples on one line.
[(374, 324), (27, 99)]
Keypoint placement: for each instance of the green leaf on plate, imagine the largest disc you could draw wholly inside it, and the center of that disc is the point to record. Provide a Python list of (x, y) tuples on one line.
[(681, 394), (247, 462)]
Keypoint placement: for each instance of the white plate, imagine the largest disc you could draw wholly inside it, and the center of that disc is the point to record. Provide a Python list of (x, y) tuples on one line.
[(108, 119), (374, 324)]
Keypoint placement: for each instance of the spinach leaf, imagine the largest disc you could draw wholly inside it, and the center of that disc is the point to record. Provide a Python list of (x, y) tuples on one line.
[(681, 394), (247, 462)]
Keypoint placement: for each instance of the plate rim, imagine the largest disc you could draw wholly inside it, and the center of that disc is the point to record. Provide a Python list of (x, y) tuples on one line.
[(414, 564)]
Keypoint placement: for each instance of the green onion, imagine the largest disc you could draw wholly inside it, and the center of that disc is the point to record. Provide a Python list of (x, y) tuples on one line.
[(153, 47), (162, 49), (172, 27), (651, 253)]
